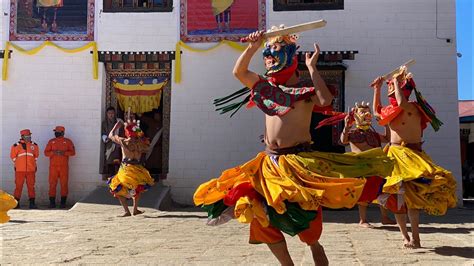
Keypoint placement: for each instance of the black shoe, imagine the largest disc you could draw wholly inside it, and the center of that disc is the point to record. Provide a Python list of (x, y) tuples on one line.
[(32, 204), (52, 202), (63, 203), (18, 205)]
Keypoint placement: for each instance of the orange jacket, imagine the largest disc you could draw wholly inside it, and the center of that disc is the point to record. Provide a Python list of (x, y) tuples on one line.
[(24, 156), (63, 145)]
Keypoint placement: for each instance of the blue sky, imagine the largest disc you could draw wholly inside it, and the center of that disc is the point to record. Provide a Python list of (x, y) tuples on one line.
[(464, 28)]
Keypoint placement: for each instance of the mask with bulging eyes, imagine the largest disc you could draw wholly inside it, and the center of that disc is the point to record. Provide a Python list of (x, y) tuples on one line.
[(26, 138), (279, 51), (362, 116), (277, 56), (58, 134)]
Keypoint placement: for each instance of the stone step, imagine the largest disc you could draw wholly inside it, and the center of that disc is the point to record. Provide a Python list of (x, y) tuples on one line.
[(157, 197)]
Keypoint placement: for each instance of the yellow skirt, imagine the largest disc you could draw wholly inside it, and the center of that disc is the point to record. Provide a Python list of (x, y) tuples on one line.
[(310, 179), (130, 180), (7, 202), (425, 185)]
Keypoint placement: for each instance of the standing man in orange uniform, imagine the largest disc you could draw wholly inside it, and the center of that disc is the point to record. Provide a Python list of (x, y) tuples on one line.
[(24, 154), (59, 150)]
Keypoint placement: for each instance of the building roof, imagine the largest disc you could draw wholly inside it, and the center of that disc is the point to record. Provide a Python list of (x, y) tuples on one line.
[(466, 108)]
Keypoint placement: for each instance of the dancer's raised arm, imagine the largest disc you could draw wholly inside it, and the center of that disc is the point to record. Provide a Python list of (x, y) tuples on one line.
[(241, 69), (112, 135), (377, 85), (323, 96), (399, 96)]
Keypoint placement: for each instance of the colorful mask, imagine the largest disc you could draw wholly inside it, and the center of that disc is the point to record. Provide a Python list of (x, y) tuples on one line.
[(405, 82), (133, 130), (279, 52), (362, 116)]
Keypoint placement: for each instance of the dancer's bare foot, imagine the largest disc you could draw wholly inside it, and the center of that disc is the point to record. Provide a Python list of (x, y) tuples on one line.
[(411, 244), (415, 243), (365, 225), (125, 214), (137, 212), (387, 221), (407, 244)]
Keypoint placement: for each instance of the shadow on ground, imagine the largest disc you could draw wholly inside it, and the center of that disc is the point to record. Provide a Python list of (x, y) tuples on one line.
[(430, 230), (172, 216), (463, 215), (463, 252)]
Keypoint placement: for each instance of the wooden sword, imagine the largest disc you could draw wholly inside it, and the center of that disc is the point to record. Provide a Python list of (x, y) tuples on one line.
[(407, 64), (293, 29)]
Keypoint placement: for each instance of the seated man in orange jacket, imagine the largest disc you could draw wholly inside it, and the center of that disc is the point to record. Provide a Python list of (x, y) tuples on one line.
[(59, 149), (24, 154)]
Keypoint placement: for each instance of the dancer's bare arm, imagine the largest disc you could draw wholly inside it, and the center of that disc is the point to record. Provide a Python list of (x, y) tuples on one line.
[(345, 132), (241, 69), (112, 136), (401, 100), (323, 96), (385, 137), (377, 85)]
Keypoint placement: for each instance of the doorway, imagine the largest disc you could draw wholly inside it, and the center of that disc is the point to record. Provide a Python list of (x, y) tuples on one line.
[(155, 122)]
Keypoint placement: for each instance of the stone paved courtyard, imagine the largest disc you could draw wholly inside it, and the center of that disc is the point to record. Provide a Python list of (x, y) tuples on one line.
[(92, 234)]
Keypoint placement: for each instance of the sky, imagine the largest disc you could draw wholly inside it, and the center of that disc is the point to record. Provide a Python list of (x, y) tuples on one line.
[(464, 28)]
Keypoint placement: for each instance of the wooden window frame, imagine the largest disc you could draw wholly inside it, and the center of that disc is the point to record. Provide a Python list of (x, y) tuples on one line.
[(167, 8), (278, 6)]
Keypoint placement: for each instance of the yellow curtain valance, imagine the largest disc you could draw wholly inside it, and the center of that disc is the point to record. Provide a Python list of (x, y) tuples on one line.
[(33, 51), (181, 44), (141, 97)]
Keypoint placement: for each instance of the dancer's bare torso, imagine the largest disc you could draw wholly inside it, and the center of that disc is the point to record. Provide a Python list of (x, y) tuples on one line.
[(131, 148), (291, 129), (360, 147), (407, 126)]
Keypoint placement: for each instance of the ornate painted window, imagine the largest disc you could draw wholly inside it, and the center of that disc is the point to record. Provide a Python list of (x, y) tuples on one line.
[(295, 5), (138, 5), (52, 20)]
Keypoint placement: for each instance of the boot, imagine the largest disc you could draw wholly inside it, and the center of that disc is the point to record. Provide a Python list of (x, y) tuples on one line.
[(52, 202), (18, 205), (63, 203), (32, 204)]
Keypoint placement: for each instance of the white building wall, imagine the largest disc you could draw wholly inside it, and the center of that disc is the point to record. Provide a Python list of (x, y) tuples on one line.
[(202, 142), (58, 88), (48, 89), (156, 31), (44, 90)]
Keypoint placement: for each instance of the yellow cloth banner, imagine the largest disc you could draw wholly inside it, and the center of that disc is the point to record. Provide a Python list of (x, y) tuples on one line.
[(33, 51), (141, 98), (179, 45), (49, 3)]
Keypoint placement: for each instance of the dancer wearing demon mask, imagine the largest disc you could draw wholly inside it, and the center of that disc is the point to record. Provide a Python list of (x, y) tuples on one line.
[(361, 138), (132, 178), (283, 188), (416, 182)]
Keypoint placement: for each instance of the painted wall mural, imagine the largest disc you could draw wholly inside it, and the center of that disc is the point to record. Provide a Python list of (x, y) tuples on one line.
[(52, 20), (216, 20)]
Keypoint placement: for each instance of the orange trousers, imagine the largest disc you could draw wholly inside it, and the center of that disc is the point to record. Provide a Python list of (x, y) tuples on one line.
[(271, 235), (30, 184), (61, 174)]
